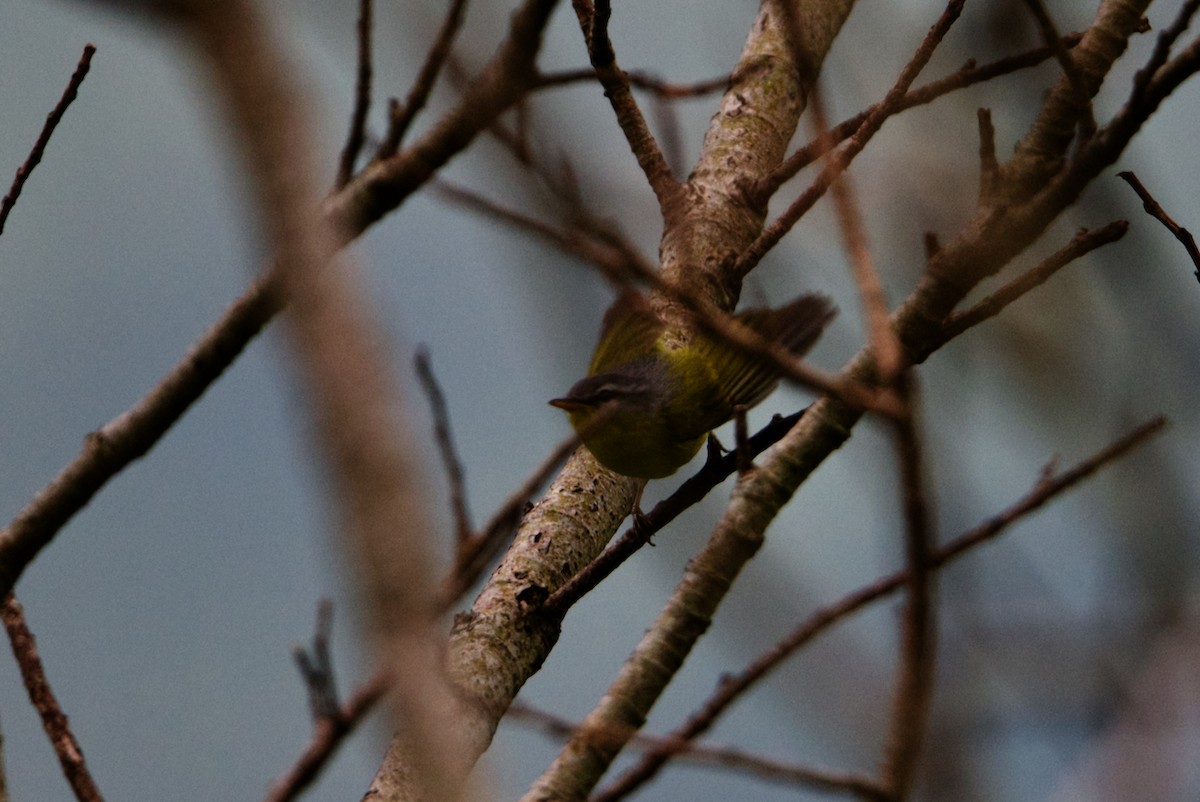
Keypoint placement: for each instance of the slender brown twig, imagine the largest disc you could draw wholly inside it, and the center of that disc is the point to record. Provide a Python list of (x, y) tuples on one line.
[(918, 639), (54, 720), (445, 443), (135, 431), (618, 264), (724, 757), (328, 734), (401, 116), (1162, 48), (316, 667), (1084, 242), (888, 357), (594, 21), (969, 74), (891, 104), (918, 635), (1155, 210), (639, 80), (52, 120), (733, 686), (362, 99)]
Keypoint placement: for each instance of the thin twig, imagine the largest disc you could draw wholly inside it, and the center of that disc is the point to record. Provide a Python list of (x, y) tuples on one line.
[(136, 430), (445, 442), (1084, 242), (403, 115), (1162, 49), (889, 359), (639, 80), (54, 720), (967, 75), (616, 87), (617, 263), (52, 120), (317, 667), (724, 757), (670, 132), (362, 98), (891, 104), (918, 637), (1155, 210), (621, 264), (328, 734), (733, 686)]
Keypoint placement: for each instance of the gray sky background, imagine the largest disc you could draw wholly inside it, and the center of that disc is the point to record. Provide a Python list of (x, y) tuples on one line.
[(165, 613)]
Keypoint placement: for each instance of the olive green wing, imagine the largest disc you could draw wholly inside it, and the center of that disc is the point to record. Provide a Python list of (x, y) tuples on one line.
[(629, 332), (744, 379)]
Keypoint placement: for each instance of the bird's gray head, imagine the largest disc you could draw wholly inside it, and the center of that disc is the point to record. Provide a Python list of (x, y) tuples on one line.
[(596, 391)]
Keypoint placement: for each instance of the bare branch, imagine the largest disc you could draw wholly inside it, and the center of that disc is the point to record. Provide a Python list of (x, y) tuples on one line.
[(968, 75), (362, 99), (733, 686), (317, 668), (54, 720), (594, 21), (722, 757), (1083, 243), (328, 734), (888, 355), (352, 400), (1162, 48), (445, 442), (918, 636), (39, 146), (618, 262), (989, 168), (1155, 210), (891, 104), (403, 115), (639, 80), (363, 201)]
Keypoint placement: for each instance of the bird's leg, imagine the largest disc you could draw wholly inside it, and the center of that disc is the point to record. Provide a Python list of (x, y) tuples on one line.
[(745, 461), (641, 524), (713, 450)]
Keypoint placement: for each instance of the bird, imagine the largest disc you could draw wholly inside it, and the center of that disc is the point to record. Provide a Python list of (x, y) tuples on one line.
[(654, 392)]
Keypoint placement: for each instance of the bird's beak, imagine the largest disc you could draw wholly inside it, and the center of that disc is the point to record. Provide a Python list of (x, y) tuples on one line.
[(568, 404)]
